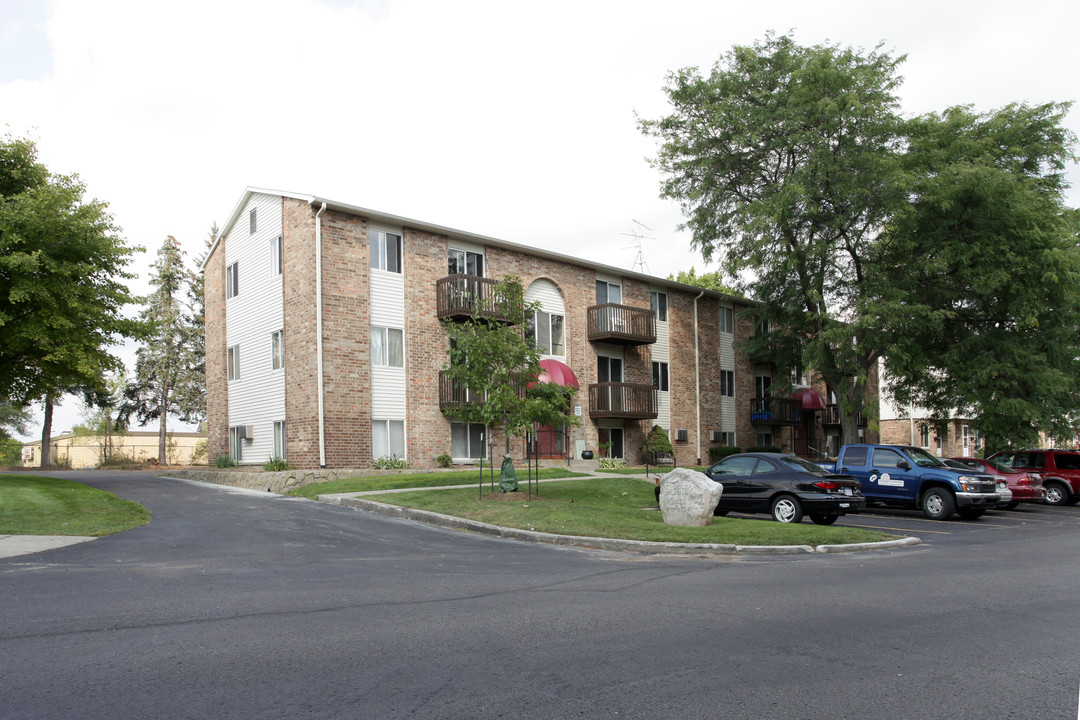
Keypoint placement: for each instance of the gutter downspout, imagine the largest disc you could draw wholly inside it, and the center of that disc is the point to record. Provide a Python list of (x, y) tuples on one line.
[(319, 335), (697, 374)]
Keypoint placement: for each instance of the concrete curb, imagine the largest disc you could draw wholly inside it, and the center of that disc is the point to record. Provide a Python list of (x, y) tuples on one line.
[(15, 545), (641, 546)]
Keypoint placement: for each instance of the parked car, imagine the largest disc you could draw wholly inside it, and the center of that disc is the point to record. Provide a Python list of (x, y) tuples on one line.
[(1004, 494), (1026, 485), (1059, 469), (785, 486)]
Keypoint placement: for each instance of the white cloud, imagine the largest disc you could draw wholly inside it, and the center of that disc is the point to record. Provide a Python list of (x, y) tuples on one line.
[(506, 119)]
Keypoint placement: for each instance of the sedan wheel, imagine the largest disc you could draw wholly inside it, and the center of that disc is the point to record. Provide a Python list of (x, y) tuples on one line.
[(786, 509), (822, 519), (1056, 494)]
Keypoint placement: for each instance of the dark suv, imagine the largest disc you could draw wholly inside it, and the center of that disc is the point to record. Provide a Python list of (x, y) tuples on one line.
[(1060, 470)]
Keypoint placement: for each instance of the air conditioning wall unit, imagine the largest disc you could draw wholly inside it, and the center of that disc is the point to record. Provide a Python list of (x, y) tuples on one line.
[(715, 436), (249, 432), (682, 435)]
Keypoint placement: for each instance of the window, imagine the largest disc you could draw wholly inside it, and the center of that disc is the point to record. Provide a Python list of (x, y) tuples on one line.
[(277, 350), (387, 347), (467, 440), (275, 256), (614, 436), (855, 456), (465, 262), (727, 383), (609, 369), (965, 434), (388, 438), (232, 361), (385, 251), (659, 304), (763, 386), (727, 320), (547, 333), (924, 435), (236, 443), (251, 222), (885, 458), (660, 375), (279, 439), (608, 292), (799, 376), (232, 280), (764, 439)]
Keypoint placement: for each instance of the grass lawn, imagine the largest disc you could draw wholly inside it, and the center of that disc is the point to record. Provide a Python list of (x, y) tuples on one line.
[(412, 480), (31, 505), (617, 508)]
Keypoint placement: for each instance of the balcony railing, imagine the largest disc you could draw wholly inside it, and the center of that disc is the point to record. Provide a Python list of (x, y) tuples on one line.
[(621, 324), (832, 417), (460, 296), (453, 394), (632, 401), (775, 411)]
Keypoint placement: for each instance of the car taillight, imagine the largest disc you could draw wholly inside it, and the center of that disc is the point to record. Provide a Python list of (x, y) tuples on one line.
[(1026, 480), (827, 485)]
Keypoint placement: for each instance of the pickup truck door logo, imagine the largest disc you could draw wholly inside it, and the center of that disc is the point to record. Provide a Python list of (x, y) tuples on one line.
[(887, 480)]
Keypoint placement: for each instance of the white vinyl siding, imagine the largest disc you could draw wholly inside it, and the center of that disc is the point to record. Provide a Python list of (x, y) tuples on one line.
[(661, 353), (547, 294), (727, 362), (257, 399), (388, 311)]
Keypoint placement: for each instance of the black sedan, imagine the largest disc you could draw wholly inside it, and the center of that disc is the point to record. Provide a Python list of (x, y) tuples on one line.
[(785, 486)]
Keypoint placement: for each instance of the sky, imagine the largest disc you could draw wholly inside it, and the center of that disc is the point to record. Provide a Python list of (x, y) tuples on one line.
[(507, 119)]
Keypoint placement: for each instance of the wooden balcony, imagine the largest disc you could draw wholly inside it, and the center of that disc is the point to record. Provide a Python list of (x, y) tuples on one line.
[(452, 394), (460, 297), (775, 411), (630, 401), (832, 417), (621, 324)]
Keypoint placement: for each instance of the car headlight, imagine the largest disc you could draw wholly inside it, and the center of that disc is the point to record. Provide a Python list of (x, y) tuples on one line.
[(969, 483)]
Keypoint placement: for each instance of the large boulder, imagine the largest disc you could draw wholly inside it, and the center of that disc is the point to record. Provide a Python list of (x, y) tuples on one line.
[(688, 497)]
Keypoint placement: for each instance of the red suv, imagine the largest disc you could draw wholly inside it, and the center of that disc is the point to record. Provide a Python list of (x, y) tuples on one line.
[(1060, 471)]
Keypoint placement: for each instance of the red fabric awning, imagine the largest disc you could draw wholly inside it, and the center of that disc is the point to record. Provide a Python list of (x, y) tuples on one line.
[(557, 372), (811, 399)]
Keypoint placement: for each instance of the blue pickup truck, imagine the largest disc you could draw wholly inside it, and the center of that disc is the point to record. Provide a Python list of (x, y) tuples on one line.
[(911, 477)]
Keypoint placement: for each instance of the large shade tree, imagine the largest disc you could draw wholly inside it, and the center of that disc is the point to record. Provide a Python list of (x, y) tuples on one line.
[(63, 285), (856, 228)]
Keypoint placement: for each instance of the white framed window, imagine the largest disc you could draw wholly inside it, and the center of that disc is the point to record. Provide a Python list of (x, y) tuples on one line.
[(727, 383), (279, 439), (727, 439), (660, 375), (277, 350), (924, 435), (236, 443), (232, 362), (607, 292), (232, 280), (727, 320), (614, 436), (548, 333), (275, 256), (385, 250), (388, 438), (799, 376), (659, 304), (609, 369), (465, 262), (965, 439), (762, 386), (468, 441), (387, 346)]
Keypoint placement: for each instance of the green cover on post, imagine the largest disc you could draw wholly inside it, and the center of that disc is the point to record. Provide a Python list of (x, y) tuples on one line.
[(507, 477)]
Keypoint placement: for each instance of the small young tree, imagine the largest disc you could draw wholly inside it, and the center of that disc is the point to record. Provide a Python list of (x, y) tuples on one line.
[(498, 362)]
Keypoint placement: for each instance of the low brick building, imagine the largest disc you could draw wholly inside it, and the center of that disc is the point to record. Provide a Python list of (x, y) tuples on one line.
[(324, 344)]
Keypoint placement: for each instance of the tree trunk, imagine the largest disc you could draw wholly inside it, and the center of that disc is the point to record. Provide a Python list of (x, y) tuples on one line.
[(46, 432), (162, 449)]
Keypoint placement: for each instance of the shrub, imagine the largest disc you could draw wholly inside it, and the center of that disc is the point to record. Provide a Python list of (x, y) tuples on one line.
[(611, 464), (722, 451), (276, 464), (389, 463), (199, 454), (445, 461), (657, 442), (764, 448), (224, 461)]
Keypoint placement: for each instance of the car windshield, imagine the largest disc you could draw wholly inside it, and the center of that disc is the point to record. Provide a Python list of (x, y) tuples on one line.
[(800, 465), (1000, 467), (923, 458)]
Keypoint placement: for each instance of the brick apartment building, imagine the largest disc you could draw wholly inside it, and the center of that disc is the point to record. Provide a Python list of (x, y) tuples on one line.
[(324, 345)]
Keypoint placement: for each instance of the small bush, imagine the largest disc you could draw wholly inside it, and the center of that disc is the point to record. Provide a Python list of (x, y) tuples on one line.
[(764, 448), (276, 464), (657, 442), (200, 453), (445, 461), (611, 464), (722, 451), (224, 461), (389, 463)]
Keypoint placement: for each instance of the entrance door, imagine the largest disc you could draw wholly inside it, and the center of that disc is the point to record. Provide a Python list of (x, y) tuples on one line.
[(615, 437), (803, 433)]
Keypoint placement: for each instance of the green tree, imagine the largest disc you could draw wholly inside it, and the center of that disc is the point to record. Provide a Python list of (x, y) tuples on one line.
[(497, 362), (63, 284), (161, 365), (710, 281), (990, 313), (100, 424), (191, 385), (786, 160)]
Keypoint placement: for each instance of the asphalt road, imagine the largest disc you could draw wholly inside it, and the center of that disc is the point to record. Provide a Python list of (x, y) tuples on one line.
[(232, 604)]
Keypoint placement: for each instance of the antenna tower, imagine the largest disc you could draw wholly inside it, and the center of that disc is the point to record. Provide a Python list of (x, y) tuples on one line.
[(640, 238)]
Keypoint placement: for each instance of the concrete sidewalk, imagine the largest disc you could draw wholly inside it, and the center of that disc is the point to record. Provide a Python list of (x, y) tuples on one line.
[(12, 545)]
